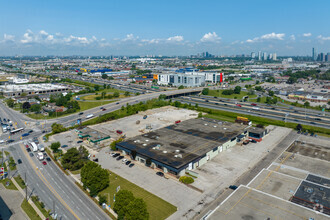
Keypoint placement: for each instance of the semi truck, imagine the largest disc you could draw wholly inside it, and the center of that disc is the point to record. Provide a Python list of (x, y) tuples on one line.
[(34, 146), (89, 116)]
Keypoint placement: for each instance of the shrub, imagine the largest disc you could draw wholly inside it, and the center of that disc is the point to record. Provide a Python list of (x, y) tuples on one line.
[(186, 179)]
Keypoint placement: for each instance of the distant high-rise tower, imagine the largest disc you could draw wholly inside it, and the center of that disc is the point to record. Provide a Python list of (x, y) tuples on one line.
[(253, 55), (259, 55), (314, 54), (274, 56), (322, 57), (328, 57), (264, 56)]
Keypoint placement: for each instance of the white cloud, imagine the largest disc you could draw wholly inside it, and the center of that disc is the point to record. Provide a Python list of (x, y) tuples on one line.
[(271, 36), (27, 37), (323, 38), (175, 39), (307, 34), (210, 37), (130, 37), (8, 37), (292, 37)]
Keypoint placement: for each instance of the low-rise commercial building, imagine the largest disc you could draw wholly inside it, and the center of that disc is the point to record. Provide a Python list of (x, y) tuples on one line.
[(93, 137), (32, 89), (184, 146)]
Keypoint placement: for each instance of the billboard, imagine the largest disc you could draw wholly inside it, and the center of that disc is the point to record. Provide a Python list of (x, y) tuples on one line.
[(221, 77)]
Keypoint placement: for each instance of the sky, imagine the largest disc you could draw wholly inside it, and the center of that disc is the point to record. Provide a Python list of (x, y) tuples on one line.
[(171, 27)]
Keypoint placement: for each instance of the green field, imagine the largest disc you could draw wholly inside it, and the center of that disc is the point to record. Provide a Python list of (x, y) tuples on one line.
[(218, 93), (157, 207), (11, 184), (29, 211)]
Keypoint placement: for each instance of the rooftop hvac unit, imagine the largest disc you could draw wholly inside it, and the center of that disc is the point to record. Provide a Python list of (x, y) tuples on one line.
[(177, 151), (164, 151)]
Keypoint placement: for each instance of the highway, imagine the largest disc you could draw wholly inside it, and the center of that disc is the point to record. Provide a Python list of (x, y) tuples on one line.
[(260, 110)]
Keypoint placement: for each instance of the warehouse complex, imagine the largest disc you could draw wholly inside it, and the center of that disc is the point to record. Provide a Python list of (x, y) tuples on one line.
[(31, 89), (183, 146)]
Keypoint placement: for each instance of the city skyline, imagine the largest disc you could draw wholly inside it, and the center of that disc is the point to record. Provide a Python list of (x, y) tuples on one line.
[(171, 28)]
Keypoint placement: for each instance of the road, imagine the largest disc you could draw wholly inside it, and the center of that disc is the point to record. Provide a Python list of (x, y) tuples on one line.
[(48, 182)]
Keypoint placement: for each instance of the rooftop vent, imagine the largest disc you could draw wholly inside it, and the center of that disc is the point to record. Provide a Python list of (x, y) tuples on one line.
[(205, 124), (177, 151), (214, 126), (164, 151), (144, 144), (147, 140), (224, 128), (178, 155)]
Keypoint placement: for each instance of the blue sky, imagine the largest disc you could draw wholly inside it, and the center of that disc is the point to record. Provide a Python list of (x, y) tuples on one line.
[(114, 27)]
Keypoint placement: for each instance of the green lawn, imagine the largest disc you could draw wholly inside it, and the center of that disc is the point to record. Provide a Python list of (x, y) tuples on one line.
[(11, 184), (218, 93), (20, 181), (29, 211), (157, 207), (75, 172), (88, 105)]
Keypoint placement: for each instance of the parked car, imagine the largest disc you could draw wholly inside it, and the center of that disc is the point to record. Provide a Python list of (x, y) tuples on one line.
[(96, 159), (78, 142), (120, 157), (253, 141), (233, 187), (131, 165), (64, 146), (116, 154), (160, 174), (124, 160), (128, 162)]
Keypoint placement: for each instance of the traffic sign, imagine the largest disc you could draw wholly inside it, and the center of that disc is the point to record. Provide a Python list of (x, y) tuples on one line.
[(2, 169)]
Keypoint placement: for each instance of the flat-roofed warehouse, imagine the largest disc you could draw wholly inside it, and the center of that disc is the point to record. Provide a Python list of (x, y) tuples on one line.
[(183, 146), (32, 89)]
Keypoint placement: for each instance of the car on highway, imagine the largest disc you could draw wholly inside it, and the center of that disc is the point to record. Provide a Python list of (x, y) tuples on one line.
[(31, 154), (160, 174), (253, 104), (44, 162), (64, 146), (81, 113), (318, 119), (104, 109), (131, 165), (28, 149), (10, 141), (19, 161), (30, 131), (238, 105), (117, 103), (78, 142), (2, 141), (48, 159)]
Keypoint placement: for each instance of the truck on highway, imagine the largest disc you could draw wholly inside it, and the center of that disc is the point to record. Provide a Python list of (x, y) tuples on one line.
[(34, 146), (89, 116), (40, 156)]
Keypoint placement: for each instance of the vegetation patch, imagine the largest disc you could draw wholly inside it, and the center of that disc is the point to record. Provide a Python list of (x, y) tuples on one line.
[(30, 211), (186, 179)]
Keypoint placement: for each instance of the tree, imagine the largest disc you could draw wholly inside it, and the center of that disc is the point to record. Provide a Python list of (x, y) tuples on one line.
[(26, 105), (137, 210), (94, 177), (116, 94), (237, 90), (58, 128), (181, 87), (299, 127), (271, 93), (96, 87), (23, 94), (258, 99), (162, 97), (73, 105), (10, 103), (55, 146), (228, 92), (123, 198), (102, 199), (328, 102), (126, 94), (74, 159), (104, 76), (306, 104), (205, 91), (291, 80), (35, 108), (257, 82)]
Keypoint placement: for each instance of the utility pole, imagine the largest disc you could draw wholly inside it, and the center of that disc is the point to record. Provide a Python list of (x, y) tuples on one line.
[(25, 188)]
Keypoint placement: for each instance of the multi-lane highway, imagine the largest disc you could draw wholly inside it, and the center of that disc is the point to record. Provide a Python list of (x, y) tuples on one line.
[(272, 112)]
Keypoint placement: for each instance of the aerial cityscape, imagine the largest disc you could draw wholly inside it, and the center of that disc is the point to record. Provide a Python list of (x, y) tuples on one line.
[(165, 110)]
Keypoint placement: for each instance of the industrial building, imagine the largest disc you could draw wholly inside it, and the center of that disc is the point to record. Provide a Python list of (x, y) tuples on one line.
[(184, 146), (94, 137), (189, 78), (31, 89), (256, 133)]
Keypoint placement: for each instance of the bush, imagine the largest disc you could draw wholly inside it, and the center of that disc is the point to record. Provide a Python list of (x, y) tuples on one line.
[(186, 179), (102, 199)]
